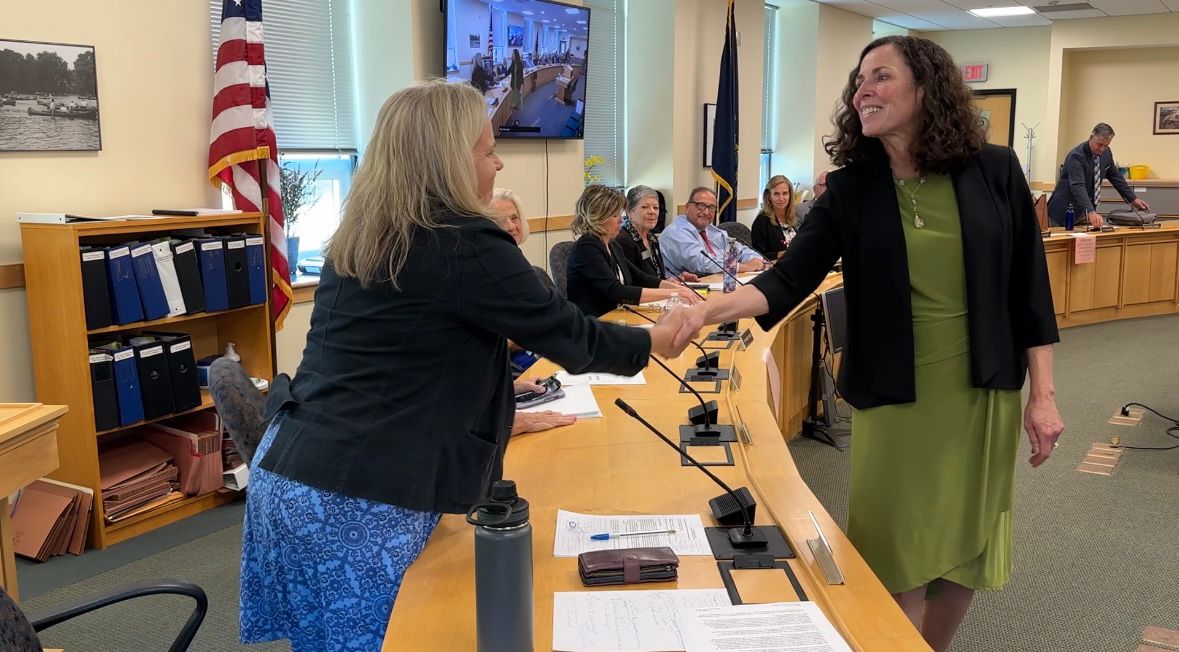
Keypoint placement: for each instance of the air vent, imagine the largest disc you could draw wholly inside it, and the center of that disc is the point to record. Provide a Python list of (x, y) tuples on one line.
[(1072, 6)]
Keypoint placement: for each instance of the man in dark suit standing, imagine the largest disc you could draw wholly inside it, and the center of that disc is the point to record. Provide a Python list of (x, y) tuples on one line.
[(1080, 179)]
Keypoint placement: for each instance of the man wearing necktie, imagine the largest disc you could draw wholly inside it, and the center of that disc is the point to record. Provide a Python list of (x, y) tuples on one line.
[(1081, 174), (691, 243)]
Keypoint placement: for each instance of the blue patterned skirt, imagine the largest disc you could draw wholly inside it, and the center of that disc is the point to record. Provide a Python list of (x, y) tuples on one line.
[(320, 568)]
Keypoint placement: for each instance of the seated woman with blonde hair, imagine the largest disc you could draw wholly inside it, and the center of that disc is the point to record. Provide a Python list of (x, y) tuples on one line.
[(508, 212), (600, 276)]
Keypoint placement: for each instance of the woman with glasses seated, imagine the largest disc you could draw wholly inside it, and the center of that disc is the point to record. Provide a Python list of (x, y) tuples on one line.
[(638, 240), (600, 276)]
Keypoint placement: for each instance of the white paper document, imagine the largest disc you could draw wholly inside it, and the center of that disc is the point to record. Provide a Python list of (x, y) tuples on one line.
[(567, 379), (574, 532), (775, 627), (625, 621), (578, 401)]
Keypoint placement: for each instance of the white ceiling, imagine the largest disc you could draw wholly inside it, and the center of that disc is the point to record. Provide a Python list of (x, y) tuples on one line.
[(935, 15)]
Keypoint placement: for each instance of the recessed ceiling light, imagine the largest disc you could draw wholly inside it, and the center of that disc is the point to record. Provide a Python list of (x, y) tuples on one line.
[(526, 12), (992, 12), (581, 22)]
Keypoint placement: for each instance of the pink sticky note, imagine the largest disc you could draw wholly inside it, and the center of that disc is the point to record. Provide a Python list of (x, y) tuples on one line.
[(1084, 248)]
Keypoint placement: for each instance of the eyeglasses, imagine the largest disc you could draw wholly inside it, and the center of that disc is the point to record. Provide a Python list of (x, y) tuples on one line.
[(707, 208)]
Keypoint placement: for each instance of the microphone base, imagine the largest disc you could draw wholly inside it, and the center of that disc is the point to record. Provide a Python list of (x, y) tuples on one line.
[(722, 546), (829, 436), (723, 336), (740, 540), (701, 374), (702, 435)]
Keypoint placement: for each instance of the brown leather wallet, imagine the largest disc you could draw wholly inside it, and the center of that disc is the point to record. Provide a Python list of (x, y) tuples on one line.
[(627, 566)]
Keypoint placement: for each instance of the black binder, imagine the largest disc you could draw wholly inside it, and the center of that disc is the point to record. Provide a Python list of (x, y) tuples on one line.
[(94, 288), (188, 273), (102, 386), (186, 389), (237, 271), (155, 379)]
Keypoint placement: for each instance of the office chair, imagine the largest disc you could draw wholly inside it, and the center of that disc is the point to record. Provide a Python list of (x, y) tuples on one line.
[(738, 231), (19, 634), (559, 263)]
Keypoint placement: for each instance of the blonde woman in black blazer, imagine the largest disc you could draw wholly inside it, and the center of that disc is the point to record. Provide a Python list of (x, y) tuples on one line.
[(948, 309)]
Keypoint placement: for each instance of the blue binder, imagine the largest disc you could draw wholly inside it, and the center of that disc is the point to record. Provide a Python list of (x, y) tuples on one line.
[(126, 382), (124, 289), (147, 276), (211, 254), (256, 262)]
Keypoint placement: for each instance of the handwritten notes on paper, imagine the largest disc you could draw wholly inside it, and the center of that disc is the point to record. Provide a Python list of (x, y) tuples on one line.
[(631, 621)]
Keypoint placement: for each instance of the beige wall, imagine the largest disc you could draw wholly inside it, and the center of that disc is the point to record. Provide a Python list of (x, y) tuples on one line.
[(841, 37), (1018, 59), (1153, 31), (1120, 87), (155, 132)]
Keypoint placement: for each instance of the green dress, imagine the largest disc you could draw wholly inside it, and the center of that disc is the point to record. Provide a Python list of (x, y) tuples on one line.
[(931, 481)]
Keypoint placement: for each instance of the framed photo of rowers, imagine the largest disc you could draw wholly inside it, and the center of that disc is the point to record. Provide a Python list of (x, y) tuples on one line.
[(48, 97), (996, 107), (1166, 118)]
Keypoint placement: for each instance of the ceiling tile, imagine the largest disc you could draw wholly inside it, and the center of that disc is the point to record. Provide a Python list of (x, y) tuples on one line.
[(1083, 13), (1031, 20), (956, 19), (913, 7), (861, 7), (979, 4), (912, 22), (1129, 7), (1173, 5)]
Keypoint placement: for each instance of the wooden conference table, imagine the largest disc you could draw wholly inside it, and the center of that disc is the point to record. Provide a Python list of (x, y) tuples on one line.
[(613, 465)]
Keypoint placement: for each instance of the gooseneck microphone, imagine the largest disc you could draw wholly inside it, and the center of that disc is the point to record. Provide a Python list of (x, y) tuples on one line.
[(703, 429), (722, 267), (707, 365), (741, 500)]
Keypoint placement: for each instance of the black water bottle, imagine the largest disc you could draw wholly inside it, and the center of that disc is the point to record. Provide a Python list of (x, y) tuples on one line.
[(503, 571)]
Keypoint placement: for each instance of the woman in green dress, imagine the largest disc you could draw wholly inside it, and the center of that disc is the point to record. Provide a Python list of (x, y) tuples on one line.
[(948, 310)]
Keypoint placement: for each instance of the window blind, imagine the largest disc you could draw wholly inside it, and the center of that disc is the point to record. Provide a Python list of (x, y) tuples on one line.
[(308, 46), (605, 113), (769, 78)]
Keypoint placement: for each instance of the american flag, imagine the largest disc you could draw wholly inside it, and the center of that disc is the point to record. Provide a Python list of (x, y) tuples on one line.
[(490, 33), (242, 133)]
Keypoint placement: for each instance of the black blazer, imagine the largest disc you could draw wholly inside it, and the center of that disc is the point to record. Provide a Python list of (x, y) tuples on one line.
[(1008, 298), (405, 396), (767, 236), (646, 259), (592, 277)]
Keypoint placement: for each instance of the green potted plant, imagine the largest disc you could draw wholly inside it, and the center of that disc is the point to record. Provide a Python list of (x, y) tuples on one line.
[(298, 192)]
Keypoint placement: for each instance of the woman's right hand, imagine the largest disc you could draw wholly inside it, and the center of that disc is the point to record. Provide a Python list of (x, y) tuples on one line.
[(664, 332)]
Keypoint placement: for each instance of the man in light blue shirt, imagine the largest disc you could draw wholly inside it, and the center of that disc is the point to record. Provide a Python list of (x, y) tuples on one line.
[(691, 240)]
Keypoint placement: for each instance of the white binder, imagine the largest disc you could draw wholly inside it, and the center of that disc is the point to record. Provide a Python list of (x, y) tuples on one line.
[(162, 252)]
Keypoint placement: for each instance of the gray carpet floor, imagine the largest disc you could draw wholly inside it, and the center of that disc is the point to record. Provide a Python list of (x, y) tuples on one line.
[(1097, 558)]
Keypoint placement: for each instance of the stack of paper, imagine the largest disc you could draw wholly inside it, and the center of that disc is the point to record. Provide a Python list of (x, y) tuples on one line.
[(578, 401), (51, 519), (567, 379), (136, 477), (194, 442), (635, 621)]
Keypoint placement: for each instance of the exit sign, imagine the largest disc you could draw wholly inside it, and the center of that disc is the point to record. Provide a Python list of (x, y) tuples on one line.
[(975, 72)]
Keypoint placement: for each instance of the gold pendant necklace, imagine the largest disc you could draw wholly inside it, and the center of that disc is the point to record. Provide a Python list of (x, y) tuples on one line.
[(917, 221)]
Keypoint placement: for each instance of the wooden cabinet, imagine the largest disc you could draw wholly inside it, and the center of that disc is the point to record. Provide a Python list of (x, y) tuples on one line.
[(1135, 274), (60, 343)]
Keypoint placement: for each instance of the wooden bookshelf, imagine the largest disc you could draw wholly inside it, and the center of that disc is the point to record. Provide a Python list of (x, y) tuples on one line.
[(60, 343)]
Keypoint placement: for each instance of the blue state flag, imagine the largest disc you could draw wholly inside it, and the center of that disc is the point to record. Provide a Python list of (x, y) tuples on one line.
[(725, 132)]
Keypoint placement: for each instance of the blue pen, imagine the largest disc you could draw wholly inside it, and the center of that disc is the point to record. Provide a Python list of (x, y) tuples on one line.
[(605, 536)]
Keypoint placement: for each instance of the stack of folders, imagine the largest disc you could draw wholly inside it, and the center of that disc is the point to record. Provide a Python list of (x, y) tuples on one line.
[(137, 281), (136, 477), (144, 376), (194, 441), (51, 518)]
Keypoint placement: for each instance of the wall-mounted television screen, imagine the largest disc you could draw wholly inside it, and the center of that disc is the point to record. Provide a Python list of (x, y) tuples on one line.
[(527, 57)]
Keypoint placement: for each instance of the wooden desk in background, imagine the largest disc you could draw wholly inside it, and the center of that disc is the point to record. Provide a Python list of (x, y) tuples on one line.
[(1136, 274), (613, 465), (28, 451)]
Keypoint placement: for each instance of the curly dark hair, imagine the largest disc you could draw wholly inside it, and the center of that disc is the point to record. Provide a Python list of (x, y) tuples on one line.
[(950, 130)]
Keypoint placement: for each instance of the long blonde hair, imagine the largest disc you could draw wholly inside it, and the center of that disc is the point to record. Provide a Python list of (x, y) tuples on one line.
[(596, 204), (418, 164), (767, 207)]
